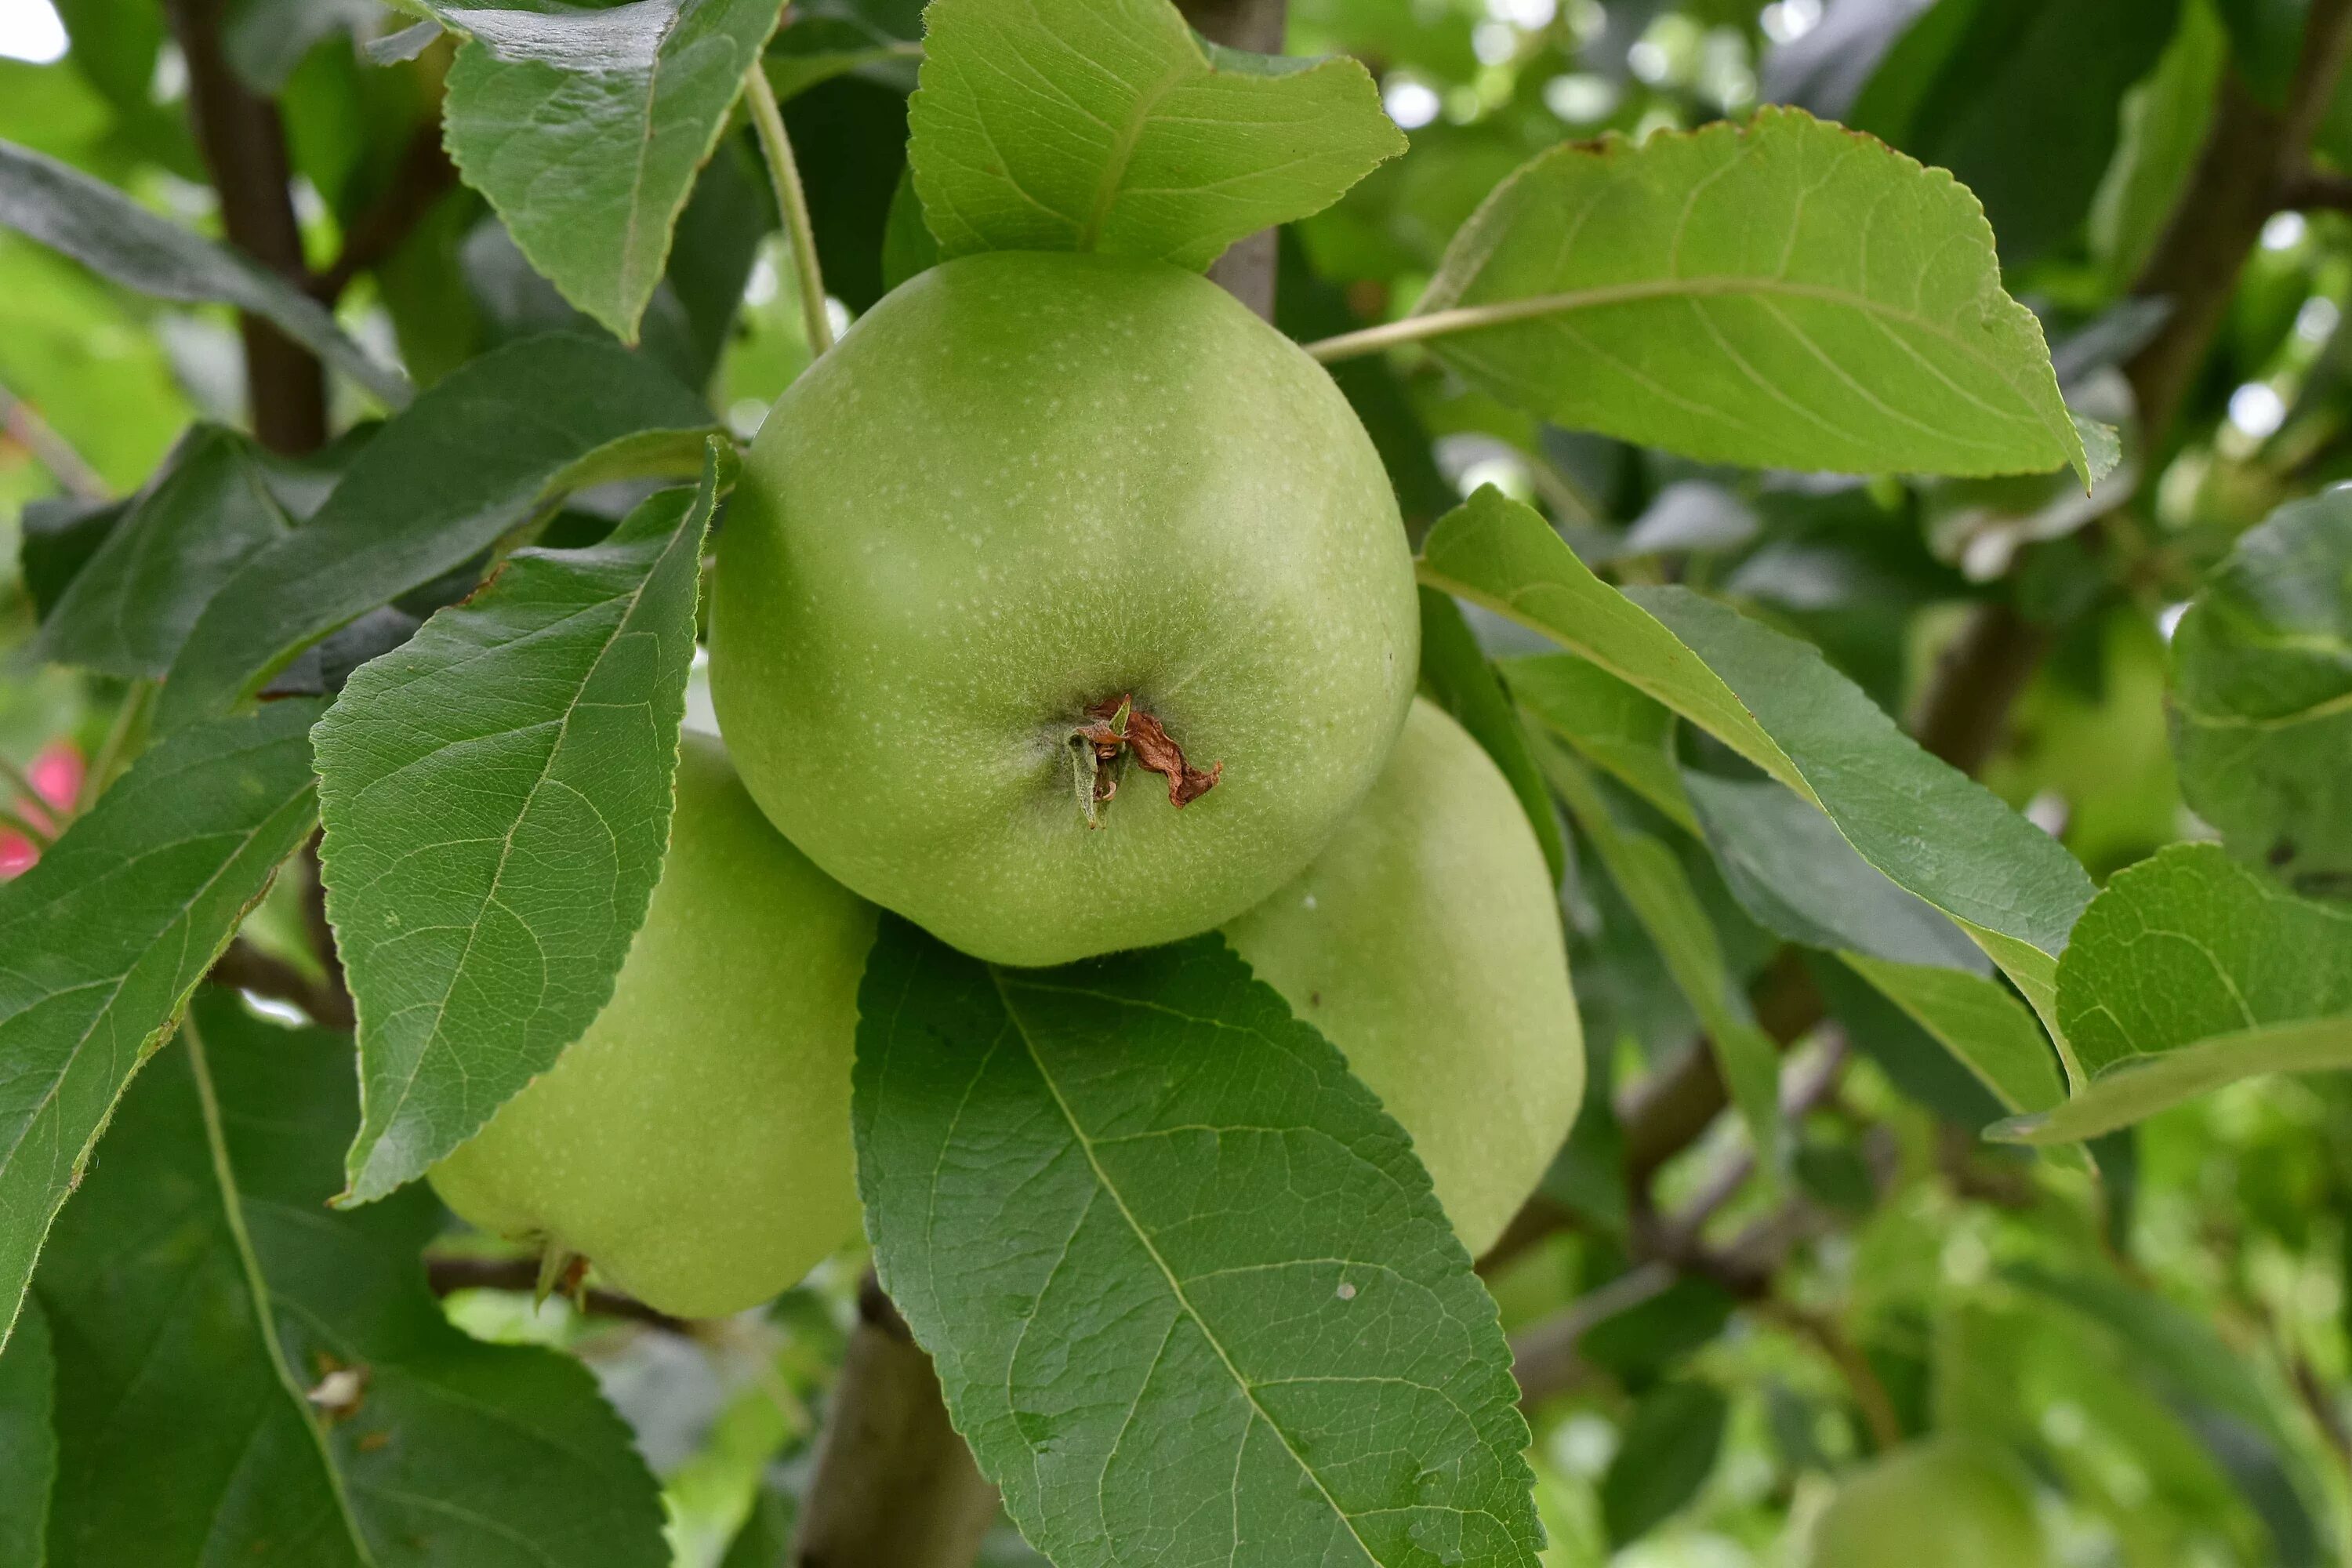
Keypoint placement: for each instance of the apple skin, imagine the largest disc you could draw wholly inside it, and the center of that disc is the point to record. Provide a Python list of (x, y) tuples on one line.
[(1944, 1502), (1025, 484), (1425, 944), (694, 1145)]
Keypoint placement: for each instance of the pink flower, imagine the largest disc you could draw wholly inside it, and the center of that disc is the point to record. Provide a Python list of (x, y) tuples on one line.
[(56, 776)]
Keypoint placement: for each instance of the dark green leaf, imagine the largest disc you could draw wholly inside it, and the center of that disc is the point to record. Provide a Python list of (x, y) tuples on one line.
[(58, 536), (584, 129), (127, 611), (1668, 1451), (250, 1379), (1107, 125), (2265, 41), (2019, 99), (1191, 1297), (496, 798), (1778, 703), (105, 936), (811, 50), (2164, 126), (1612, 724), (907, 248), (106, 231), (28, 1443), (1456, 676), (480, 456), (2262, 671), (850, 135), (1781, 293), (1984, 1026)]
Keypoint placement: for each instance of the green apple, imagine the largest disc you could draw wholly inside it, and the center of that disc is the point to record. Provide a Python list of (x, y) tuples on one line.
[(1022, 489), (1941, 1503), (1425, 944), (694, 1143)]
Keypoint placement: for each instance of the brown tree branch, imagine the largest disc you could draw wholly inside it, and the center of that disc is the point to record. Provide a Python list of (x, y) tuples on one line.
[(2252, 156), (320, 932), (448, 1275), (424, 177), (2315, 190), (895, 1488), (1964, 715), (1246, 272), (73, 473), (244, 146)]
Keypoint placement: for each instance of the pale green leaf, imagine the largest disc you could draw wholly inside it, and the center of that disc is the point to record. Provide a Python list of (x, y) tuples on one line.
[(1612, 724), (2262, 673), (1781, 293), (1107, 125), (106, 231), (252, 1379), (584, 129), (28, 1444), (496, 798), (102, 940), (1191, 1297), (480, 456), (1990, 1031), (1663, 901), (1776, 701), (127, 611), (1455, 674), (2138, 1087)]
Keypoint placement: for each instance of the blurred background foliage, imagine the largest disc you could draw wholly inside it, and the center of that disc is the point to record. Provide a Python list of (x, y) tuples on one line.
[(2166, 1349)]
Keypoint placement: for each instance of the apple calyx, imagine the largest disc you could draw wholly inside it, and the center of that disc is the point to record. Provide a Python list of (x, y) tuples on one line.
[(1120, 730)]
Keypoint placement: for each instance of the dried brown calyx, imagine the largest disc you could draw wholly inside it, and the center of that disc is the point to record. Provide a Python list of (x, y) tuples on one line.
[(1119, 730)]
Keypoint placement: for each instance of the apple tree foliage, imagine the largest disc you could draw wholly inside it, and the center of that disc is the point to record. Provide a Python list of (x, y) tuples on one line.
[(1873, 475)]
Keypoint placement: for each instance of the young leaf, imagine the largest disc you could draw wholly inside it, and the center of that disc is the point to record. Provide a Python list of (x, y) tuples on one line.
[(28, 1444), (1792, 871), (127, 611), (102, 940), (107, 232), (2189, 971), (1189, 1295), (1777, 702), (251, 1379), (478, 457), (1654, 884), (1107, 125), (2262, 670), (496, 798), (1454, 672), (584, 129), (1782, 293)]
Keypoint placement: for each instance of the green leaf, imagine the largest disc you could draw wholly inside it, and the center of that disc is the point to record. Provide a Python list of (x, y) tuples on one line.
[(251, 1379), (1455, 674), (1612, 724), (1792, 871), (1991, 1032), (1775, 700), (1107, 125), (811, 50), (102, 940), (127, 612), (2165, 120), (106, 231), (584, 129), (1669, 1450), (2021, 100), (1654, 884), (28, 1444), (2261, 672), (1191, 1297), (482, 455), (496, 799), (2189, 971), (1783, 293)]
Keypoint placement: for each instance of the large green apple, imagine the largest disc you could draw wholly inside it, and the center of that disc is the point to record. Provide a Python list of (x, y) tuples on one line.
[(1942, 1503), (1425, 944), (1022, 489), (694, 1143)]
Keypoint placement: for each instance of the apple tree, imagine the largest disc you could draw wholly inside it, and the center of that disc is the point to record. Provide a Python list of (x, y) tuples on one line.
[(1470, 783)]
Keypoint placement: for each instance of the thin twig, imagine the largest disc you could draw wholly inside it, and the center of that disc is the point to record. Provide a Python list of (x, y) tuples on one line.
[(792, 205), (520, 1275), (1878, 1412), (2316, 190), (424, 175), (1547, 1357), (54, 452), (15, 822)]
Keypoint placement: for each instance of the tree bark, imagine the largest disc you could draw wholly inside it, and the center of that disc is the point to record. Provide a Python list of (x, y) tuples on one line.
[(1247, 271), (244, 146), (896, 1487)]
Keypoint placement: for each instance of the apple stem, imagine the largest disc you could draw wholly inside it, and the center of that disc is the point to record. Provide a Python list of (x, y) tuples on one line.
[(791, 203)]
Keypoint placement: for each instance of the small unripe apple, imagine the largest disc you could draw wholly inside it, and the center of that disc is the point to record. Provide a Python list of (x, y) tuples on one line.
[(693, 1142), (1062, 606), (1425, 944), (1945, 1503)]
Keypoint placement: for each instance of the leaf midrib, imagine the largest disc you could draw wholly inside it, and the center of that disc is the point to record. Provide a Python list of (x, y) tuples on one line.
[(1175, 1288)]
